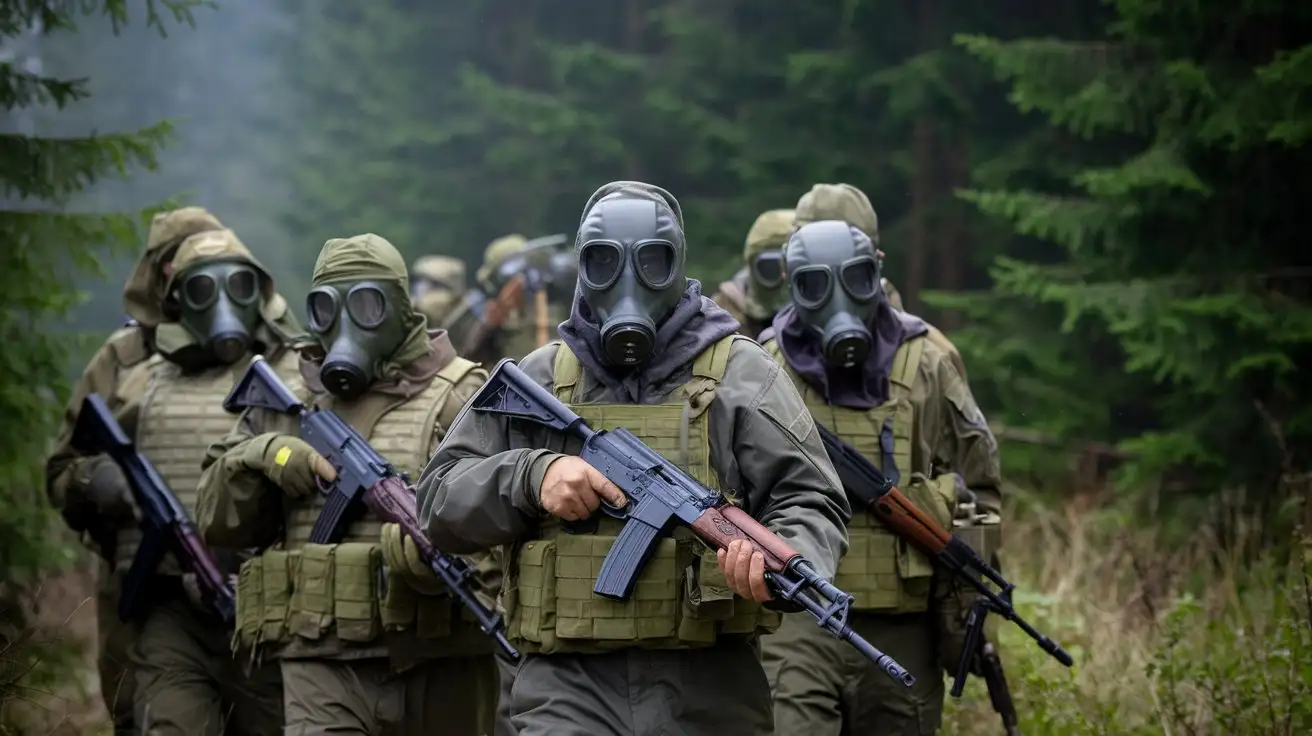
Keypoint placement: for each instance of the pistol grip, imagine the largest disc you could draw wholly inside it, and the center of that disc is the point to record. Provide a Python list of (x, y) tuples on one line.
[(619, 571)]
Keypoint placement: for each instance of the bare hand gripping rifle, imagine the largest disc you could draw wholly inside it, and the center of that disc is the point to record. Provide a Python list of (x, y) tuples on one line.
[(868, 487), (662, 495), (165, 524), (364, 479)]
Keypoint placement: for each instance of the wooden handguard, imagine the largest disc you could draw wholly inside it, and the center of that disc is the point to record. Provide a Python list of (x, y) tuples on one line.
[(903, 517), (510, 297), (724, 524)]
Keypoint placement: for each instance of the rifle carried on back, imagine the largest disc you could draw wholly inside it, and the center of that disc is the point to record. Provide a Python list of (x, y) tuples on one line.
[(868, 487), (364, 479), (662, 495), (165, 525)]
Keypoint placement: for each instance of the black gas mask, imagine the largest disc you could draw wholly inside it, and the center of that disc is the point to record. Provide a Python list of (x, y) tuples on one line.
[(360, 324), (833, 281), (631, 273), (218, 304)]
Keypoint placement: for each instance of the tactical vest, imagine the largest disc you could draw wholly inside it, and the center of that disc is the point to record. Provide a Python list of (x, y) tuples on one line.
[(882, 572), (309, 591), (180, 416), (681, 599)]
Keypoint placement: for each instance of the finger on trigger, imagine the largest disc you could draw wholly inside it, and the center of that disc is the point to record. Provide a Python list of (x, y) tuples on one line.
[(324, 469), (590, 500), (605, 488)]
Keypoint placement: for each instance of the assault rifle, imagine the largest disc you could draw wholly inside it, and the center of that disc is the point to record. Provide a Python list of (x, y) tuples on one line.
[(364, 479), (165, 525), (868, 487), (520, 274), (661, 495)]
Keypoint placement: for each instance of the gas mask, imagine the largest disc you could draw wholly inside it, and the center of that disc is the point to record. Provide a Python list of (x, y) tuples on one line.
[(763, 253), (359, 324), (219, 308), (631, 273), (833, 281)]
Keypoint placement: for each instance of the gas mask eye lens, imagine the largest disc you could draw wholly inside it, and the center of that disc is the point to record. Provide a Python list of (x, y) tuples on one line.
[(601, 263), (367, 306), (321, 307), (769, 269), (199, 290), (655, 261), (812, 286), (241, 286), (859, 277)]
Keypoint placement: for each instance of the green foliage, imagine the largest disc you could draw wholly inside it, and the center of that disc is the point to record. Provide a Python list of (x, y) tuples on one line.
[(44, 246), (1174, 251), (1165, 640)]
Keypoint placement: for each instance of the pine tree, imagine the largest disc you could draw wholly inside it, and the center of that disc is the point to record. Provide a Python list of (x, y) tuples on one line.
[(1176, 261), (46, 245)]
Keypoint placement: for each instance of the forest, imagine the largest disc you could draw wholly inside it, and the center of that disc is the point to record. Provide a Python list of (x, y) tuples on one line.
[(1103, 203)]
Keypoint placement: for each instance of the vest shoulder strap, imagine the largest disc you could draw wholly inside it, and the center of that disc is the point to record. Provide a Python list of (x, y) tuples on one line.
[(906, 365), (713, 361), (456, 370), (565, 371), (130, 345)]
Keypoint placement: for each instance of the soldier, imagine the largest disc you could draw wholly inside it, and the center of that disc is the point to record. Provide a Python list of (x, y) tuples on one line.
[(849, 204), (525, 290), (219, 308), (355, 658), (870, 373), (436, 285), (757, 291), (645, 350), (69, 477)]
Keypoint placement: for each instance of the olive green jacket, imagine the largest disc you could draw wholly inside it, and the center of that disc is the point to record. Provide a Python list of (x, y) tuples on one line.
[(481, 488)]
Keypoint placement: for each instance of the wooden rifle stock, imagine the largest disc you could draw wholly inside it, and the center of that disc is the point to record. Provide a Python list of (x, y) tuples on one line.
[(909, 522), (510, 297), (540, 307)]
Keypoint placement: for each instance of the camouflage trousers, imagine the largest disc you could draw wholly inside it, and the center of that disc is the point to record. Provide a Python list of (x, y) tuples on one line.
[(824, 687), (454, 695), (187, 683), (717, 691)]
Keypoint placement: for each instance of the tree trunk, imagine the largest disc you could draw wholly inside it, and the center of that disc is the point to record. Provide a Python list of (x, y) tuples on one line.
[(953, 250), (922, 192)]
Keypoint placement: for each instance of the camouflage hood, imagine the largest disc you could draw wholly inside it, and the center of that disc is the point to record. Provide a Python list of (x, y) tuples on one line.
[(143, 295), (280, 326), (495, 254), (769, 232), (371, 257), (838, 202)]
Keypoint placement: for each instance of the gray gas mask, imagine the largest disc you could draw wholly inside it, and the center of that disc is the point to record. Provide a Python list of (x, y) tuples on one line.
[(359, 324), (833, 281), (630, 273), (218, 305)]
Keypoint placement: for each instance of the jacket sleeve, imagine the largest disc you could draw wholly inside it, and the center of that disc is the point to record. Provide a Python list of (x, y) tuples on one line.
[(237, 506), (965, 443), (788, 482), (481, 487), (66, 470)]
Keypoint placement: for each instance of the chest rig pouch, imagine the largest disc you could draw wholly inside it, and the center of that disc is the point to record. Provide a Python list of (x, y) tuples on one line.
[(681, 599), (308, 592), (882, 572)]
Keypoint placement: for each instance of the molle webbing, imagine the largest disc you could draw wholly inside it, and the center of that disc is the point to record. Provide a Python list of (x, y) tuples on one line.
[(879, 570), (180, 416), (680, 599), (405, 435)]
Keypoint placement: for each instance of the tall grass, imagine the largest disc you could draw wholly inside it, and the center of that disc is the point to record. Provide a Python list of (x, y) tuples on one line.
[(1178, 640)]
